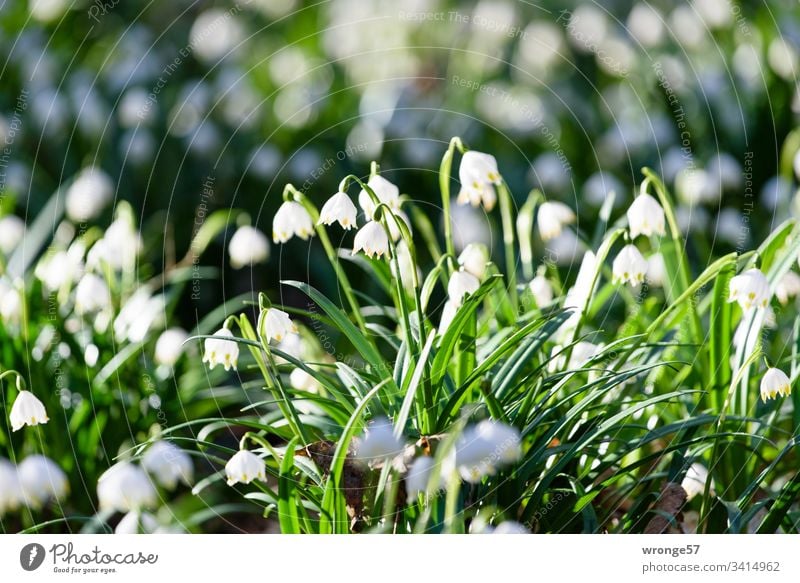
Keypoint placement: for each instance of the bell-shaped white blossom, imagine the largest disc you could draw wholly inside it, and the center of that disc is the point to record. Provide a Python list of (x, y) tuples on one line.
[(484, 448), (372, 240), (474, 259), (419, 476), (169, 346), (774, 383), (221, 351), (61, 268), (478, 174), (542, 290), (125, 487), (629, 266), (788, 287), (292, 219), (27, 410), (551, 219), (379, 442), (750, 289), (137, 522), (118, 248), (339, 209), (694, 482), (277, 325), (11, 303), (656, 270), (41, 480), (88, 195), (244, 467), (91, 295), (12, 230), (393, 224), (406, 266), (248, 246), (645, 217), (386, 192), (448, 313), (510, 527), (461, 285), (10, 489), (168, 464), (138, 315)]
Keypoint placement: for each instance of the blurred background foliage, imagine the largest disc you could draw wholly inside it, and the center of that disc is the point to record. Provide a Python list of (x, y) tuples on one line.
[(572, 97)]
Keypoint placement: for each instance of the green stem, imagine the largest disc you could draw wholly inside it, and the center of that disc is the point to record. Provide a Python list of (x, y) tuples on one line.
[(445, 169), (506, 214)]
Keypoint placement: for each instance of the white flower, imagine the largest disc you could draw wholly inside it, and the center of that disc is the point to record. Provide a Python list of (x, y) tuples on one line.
[(461, 285), (139, 313), (248, 246), (478, 174), (41, 480), (27, 410), (125, 487), (694, 483), (88, 194), (788, 287), (406, 264), (750, 289), (244, 467), (551, 218), (485, 447), (339, 208), (582, 352), (11, 303), (774, 383), (394, 229), (169, 346), (629, 266), (61, 267), (168, 464), (542, 290), (656, 270), (510, 527), (372, 240), (10, 490), (290, 220), (136, 522), (578, 294), (91, 295), (118, 248), (448, 313), (277, 325), (379, 442), (386, 192), (221, 351), (418, 477), (473, 259), (645, 217), (12, 230)]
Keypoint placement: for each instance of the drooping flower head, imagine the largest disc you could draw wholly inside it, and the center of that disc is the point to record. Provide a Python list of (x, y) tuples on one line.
[(386, 192), (339, 209), (774, 383), (244, 467), (478, 174), (221, 351), (645, 217), (551, 219), (168, 464), (474, 258), (461, 285), (27, 410), (248, 246), (379, 442), (41, 480), (125, 487), (750, 289), (277, 325), (292, 219), (372, 240), (169, 346), (629, 266)]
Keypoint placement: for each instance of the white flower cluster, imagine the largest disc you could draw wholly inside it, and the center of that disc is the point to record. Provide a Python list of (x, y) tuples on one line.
[(36, 481)]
